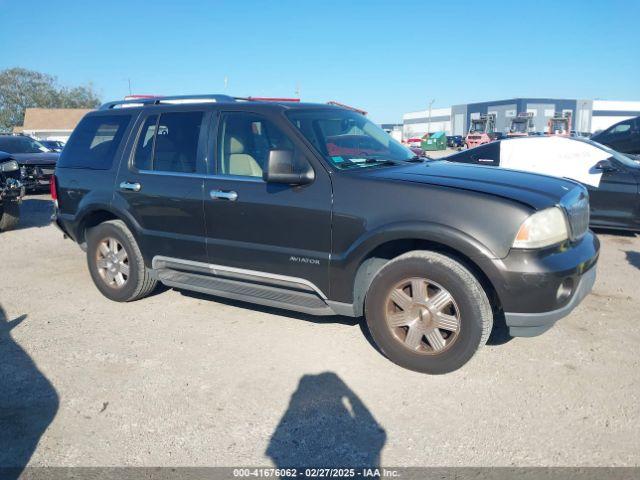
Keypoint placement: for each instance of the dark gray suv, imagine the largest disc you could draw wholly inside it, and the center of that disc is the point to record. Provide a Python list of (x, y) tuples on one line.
[(316, 209)]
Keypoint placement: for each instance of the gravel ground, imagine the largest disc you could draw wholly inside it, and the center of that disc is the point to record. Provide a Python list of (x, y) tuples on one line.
[(183, 379)]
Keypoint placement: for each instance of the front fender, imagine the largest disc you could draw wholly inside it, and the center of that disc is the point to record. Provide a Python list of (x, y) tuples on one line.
[(345, 265)]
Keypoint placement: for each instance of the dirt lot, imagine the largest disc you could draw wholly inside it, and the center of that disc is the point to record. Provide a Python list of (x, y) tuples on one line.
[(182, 379)]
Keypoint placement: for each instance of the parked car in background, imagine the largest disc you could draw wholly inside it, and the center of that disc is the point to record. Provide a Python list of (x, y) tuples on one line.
[(414, 141), (11, 192), (53, 145), (418, 151), (499, 135), (246, 199), (36, 162), (612, 178), (455, 141), (624, 136)]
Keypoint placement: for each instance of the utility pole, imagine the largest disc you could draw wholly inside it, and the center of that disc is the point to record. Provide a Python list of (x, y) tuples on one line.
[(429, 119)]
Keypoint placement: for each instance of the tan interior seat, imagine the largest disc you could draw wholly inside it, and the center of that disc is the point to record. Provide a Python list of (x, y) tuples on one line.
[(241, 163)]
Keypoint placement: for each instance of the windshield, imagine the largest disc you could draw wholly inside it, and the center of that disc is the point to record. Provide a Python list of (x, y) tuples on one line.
[(21, 145), (629, 162), (477, 126), (347, 139), (558, 126), (519, 126)]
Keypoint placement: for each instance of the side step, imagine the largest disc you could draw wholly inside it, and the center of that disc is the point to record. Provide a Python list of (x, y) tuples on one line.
[(268, 295)]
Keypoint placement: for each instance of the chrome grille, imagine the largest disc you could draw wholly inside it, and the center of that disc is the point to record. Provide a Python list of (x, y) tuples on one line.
[(576, 205)]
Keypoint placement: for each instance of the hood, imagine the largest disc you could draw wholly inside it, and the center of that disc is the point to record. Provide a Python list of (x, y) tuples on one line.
[(533, 190), (48, 158)]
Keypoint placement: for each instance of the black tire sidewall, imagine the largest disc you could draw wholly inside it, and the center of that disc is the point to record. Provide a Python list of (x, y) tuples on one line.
[(470, 334), (94, 237)]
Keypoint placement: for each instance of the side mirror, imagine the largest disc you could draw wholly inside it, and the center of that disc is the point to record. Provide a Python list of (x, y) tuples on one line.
[(605, 166), (281, 168)]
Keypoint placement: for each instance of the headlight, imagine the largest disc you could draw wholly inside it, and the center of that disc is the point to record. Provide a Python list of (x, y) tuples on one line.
[(542, 229), (10, 166)]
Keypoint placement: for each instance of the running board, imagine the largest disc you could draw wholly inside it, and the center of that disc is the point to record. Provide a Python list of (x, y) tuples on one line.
[(272, 296)]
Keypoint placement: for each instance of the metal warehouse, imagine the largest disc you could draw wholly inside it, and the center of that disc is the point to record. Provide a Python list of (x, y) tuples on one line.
[(586, 115)]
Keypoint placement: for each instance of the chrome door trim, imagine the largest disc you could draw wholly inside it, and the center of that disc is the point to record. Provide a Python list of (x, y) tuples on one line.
[(160, 261)]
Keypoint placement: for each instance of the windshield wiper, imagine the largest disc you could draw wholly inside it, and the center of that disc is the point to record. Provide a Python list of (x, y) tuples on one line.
[(416, 159), (382, 161)]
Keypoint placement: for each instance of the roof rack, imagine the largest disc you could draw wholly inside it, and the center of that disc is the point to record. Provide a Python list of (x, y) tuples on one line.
[(176, 99), (347, 107)]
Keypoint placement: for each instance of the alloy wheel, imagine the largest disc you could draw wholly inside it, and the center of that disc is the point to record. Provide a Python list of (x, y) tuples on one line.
[(423, 316), (112, 262)]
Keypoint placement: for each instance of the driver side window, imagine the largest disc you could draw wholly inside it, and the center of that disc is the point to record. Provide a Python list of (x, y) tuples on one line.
[(244, 142)]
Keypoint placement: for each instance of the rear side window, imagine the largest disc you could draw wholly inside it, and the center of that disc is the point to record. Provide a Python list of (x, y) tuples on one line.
[(169, 143), (94, 142)]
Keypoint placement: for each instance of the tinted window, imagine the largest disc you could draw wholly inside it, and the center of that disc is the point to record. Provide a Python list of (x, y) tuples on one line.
[(169, 143), (144, 149), (244, 143), (621, 128), (94, 142), (487, 154), (20, 144)]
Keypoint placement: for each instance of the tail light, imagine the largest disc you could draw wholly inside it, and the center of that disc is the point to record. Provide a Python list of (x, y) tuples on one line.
[(54, 190)]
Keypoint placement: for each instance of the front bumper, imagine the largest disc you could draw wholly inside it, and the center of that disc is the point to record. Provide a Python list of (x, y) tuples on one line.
[(535, 288), (532, 324), (36, 176)]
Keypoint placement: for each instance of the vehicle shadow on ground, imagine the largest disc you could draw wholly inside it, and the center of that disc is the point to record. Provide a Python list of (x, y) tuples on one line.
[(326, 425), (633, 258), (35, 212), (28, 402), (272, 310), (499, 334)]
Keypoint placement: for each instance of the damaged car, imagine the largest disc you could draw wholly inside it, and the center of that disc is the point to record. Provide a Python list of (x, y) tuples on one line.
[(11, 192), (37, 163)]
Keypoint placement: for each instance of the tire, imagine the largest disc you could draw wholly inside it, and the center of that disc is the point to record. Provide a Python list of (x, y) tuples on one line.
[(455, 301), (9, 215), (122, 277)]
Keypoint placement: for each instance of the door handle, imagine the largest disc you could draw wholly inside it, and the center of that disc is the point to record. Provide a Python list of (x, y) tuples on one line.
[(134, 187), (224, 195)]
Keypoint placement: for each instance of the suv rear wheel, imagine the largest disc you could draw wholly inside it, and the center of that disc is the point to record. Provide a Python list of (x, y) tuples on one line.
[(116, 264), (427, 312)]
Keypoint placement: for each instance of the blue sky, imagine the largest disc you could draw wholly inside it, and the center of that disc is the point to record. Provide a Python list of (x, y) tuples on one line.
[(385, 57)]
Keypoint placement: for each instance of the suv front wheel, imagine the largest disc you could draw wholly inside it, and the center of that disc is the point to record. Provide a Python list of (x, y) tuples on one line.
[(116, 264), (427, 312)]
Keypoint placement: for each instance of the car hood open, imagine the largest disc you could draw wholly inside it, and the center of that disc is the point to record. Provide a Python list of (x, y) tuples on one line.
[(49, 158), (536, 191)]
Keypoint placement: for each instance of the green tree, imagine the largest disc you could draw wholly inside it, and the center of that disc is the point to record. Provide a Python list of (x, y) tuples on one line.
[(21, 89)]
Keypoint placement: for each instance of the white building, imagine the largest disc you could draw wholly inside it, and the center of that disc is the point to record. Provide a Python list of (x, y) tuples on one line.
[(51, 123), (587, 116), (416, 124), (605, 113)]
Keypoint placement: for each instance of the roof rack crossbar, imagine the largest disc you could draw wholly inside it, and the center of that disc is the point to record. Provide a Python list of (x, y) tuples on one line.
[(171, 99)]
